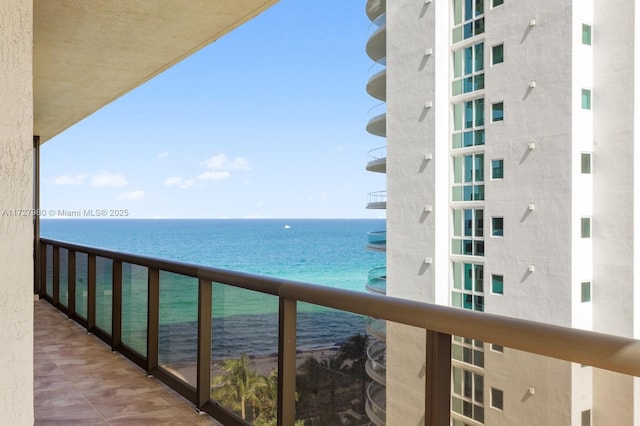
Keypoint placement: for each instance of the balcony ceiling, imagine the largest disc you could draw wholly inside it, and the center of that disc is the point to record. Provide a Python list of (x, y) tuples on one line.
[(87, 53)]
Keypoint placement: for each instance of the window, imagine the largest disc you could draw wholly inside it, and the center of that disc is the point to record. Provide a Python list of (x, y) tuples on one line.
[(497, 111), (497, 284), (585, 163), (468, 286), (585, 291), (468, 350), (497, 226), (585, 227), (586, 99), (468, 69), (586, 34), (468, 123), (497, 398), (496, 3), (468, 394), (497, 54), (497, 169), (468, 19), (468, 178), (497, 348), (586, 418), (468, 232)]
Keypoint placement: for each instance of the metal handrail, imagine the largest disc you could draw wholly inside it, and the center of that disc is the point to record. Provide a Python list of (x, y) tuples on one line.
[(609, 352)]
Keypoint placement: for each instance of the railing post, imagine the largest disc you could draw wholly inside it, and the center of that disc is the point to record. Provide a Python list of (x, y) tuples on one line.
[(91, 292), (71, 282), (203, 386), (116, 305), (36, 217), (287, 362), (438, 379), (56, 276), (153, 318), (43, 270)]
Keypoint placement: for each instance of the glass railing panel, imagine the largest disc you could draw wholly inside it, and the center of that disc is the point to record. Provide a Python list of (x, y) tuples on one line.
[(82, 262), (331, 381), (178, 336), (135, 307), (49, 271), (104, 293), (63, 277), (245, 353)]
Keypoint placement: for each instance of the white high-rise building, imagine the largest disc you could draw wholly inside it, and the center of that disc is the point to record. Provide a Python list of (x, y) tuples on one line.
[(511, 189)]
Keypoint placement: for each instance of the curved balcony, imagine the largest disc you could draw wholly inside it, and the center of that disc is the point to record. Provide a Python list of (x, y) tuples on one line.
[(377, 281), (377, 160), (377, 200), (377, 241), (376, 328), (377, 44), (376, 365), (376, 404), (377, 85), (375, 8), (377, 124)]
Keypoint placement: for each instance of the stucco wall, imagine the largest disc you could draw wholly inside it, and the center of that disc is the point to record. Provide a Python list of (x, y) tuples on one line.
[(16, 232)]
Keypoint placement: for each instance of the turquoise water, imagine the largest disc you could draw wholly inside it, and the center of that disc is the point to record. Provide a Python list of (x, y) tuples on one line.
[(325, 252)]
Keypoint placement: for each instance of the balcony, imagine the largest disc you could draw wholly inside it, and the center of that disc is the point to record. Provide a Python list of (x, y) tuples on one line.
[(376, 328), (377, 200), (377, 240), (377, 85), (377, 124), (376, 47), (130, 303), (377, 160), (375, 8), (376, 404), (377, 282), (377, 363)]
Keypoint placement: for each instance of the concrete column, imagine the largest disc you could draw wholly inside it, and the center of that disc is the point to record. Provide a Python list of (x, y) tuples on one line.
[(16, 229)]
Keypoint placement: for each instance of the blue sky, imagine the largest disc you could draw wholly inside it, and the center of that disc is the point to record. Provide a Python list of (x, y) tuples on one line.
[(267, 122)]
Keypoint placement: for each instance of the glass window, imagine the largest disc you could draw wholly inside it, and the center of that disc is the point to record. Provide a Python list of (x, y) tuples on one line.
[(497, 348), (497, 169), (585, 291), (497, 284), (586, 34), (497, 54), (585, 163), (468, 123), (497, 111), (468, 175), (497, 398), (586, 99), (497, 226), (468, 19), (497, 3), (585, 227), (586, 418)]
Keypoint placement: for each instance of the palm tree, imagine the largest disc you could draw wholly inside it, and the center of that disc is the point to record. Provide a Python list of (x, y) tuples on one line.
[(354, 353), (238, 386)]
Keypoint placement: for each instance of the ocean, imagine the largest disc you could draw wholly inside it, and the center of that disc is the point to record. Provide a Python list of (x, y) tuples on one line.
[(328, 252)]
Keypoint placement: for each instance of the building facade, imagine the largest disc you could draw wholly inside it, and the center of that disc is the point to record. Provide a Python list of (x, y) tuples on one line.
[(511, 189)]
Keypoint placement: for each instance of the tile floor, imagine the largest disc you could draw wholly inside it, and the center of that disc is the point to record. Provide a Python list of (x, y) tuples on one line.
[(79, 381)]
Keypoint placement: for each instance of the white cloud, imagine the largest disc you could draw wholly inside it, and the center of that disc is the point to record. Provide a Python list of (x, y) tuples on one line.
[(104, 179), (221, 162), (214, 175), (179, 182), (70, 180), (163, 155), (131, 196)]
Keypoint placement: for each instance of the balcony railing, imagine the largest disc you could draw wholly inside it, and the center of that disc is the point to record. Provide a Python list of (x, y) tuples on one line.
[(377, 280), (377, 200), (376, 409), (116, 287), (376, 362)]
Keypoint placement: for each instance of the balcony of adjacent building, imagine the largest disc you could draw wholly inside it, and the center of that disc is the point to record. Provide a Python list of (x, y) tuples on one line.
[(377, 241), (375, 8), (377, 160), (377, 280), (377, 200), (376, 47), (377, 124), (116, 306), (377, 83)]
